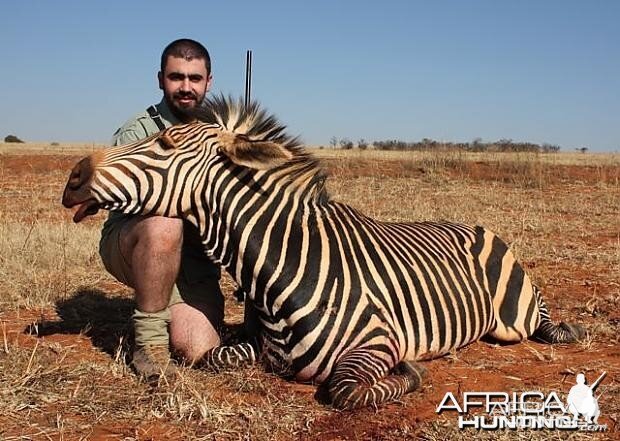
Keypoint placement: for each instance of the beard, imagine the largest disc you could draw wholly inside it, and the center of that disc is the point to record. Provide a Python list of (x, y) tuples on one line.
[(181, 105)]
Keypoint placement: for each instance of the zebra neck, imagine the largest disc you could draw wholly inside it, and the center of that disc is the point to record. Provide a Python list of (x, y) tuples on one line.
[(260, 242), (252, 222)]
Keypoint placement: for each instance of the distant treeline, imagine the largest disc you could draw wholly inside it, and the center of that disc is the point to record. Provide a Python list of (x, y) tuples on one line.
[(477, 145)]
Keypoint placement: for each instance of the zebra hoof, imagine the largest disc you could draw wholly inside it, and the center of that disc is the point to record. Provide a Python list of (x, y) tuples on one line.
[(413, 372), (576, 331), (411, 369)]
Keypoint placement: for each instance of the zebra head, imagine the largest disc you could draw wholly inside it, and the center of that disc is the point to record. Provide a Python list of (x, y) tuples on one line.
[(166, 173)]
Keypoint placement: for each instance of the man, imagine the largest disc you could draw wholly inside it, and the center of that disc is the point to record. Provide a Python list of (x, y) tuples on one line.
[(179, 304)]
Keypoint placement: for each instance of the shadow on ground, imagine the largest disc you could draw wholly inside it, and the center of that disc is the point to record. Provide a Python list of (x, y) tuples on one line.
[(106, 320)]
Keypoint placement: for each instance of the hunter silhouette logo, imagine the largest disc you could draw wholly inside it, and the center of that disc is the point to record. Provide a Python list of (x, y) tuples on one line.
[(529, 410), (581, 400)]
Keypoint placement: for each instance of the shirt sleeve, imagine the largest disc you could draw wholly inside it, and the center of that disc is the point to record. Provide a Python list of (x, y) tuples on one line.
[(126, 136)]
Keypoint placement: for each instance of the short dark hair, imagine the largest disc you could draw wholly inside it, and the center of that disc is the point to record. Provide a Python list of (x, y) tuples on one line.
[(188, 49)]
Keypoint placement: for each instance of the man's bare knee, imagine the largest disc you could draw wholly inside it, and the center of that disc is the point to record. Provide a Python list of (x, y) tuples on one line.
[(156, 234), (152, 248), (191, 333), (192, 349)]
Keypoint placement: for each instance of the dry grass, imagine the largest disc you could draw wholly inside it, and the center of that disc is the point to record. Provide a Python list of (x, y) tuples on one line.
[(590, 159), (64, 321), (48, 148)]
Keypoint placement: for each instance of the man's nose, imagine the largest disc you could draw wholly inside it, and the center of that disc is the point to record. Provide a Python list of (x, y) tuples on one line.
[(186, 85)]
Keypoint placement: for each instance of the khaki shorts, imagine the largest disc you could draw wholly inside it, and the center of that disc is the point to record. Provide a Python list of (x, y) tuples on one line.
[(197, 283)]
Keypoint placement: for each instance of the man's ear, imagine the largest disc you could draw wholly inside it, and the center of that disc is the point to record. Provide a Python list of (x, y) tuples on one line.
[(160, 80), (260, 155)]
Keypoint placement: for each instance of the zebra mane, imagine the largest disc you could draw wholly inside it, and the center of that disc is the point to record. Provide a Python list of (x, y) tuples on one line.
[(253, 121), (258, 125)]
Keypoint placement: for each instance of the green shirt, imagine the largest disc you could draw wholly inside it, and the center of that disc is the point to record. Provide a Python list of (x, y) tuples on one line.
[(143, 125)]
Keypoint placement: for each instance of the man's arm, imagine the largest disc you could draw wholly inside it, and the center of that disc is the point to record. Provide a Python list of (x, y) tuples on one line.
[(127, 136)]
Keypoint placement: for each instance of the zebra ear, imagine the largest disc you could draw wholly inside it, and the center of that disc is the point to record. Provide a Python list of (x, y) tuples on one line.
[(260, 155)]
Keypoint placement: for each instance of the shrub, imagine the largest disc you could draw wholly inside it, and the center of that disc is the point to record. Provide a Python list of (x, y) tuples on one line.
[(477, 145), (12, 138), (346, 144)]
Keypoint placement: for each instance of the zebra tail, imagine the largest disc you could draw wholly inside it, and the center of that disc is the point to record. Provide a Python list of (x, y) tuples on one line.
[(550, 333)]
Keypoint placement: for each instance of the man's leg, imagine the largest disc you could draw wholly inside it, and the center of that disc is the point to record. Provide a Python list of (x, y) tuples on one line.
[(191, 332), (152, 248), (197, 307), (144, 253)]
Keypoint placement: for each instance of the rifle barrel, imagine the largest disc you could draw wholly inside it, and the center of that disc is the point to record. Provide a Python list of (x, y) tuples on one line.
[(598, 381)]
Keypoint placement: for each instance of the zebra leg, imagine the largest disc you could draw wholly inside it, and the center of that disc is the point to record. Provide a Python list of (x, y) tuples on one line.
[(549, 332), (360, 378), (414, 370), (230, 357)]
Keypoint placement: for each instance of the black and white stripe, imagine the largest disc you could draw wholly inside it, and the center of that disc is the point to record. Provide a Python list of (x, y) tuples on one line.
[(340, 297)]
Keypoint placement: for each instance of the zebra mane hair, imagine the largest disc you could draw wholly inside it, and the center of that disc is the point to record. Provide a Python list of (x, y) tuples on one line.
[(257, 124)]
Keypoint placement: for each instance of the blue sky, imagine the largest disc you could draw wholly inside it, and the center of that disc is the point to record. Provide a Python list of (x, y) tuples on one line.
[(539, 71)]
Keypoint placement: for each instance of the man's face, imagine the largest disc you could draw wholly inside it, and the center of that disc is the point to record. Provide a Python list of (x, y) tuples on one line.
[(184, 82)]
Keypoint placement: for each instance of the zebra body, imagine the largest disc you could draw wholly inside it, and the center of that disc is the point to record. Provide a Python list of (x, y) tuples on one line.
[(420, 290), (341, 298)]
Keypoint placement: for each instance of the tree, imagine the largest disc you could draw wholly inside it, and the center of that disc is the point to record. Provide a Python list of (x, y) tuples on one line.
[(550, 148), (477, 145), (505, 145), (333, 142), (346, 144), (362, 144)]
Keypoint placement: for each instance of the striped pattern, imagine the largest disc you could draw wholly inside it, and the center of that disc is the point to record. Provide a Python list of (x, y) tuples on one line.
[(340, 298)]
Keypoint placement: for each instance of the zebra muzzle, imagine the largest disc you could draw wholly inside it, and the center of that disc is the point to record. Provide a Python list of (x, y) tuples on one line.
[(77, 192), (87, 208)]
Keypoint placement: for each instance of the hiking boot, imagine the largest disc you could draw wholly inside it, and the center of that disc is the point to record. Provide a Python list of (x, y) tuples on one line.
[(151, 362)]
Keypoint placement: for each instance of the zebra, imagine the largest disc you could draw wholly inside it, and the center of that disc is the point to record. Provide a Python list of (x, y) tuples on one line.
[(342, 300)]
